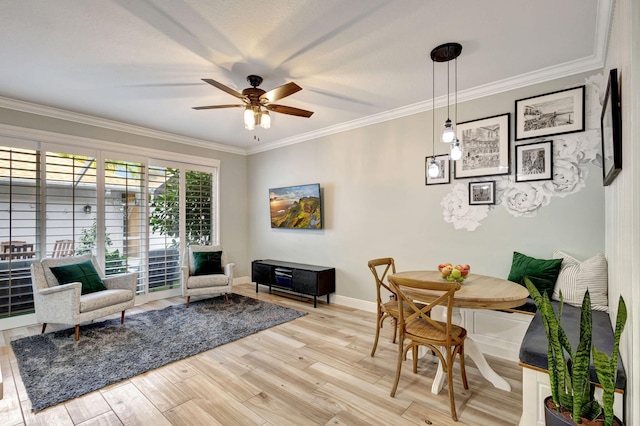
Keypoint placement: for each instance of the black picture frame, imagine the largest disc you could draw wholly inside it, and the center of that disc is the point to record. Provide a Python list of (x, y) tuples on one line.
[(534, 161), (486, 148), (553, 113), (611, 130), (445, 170), (482, 193)]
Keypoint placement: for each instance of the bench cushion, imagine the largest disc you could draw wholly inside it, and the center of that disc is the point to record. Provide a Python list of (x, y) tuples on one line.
[(533, 350)]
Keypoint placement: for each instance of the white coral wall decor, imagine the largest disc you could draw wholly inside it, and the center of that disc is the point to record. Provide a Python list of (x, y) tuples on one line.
[(572, 154)]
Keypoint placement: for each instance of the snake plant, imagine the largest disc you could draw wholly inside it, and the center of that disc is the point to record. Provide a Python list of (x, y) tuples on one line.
[(569, 380)]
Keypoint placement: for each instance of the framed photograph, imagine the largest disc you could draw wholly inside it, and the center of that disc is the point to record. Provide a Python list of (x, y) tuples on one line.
[(611, 131), (485, 147), (482, 193), (445, 172), (550, 114), (534, 161)]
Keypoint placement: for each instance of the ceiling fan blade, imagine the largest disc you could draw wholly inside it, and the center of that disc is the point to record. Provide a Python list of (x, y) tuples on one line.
[(224, 88), (281, 92), (283, 109), (220, 106)]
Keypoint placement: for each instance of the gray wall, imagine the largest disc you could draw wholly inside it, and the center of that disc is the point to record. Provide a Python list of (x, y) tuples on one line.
[(233, 173), (376, 203)]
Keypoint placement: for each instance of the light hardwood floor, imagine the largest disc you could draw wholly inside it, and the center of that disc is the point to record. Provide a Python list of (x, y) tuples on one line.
[(315, 370)]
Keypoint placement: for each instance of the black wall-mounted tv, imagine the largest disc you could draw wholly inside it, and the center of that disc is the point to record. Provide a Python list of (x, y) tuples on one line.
[(296, 207)]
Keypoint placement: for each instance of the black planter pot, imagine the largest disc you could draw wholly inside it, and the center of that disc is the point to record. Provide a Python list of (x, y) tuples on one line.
[(554, 418)]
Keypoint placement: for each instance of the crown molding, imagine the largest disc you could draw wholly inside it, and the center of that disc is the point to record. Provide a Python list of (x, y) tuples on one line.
[(540, 76), (90, 120)]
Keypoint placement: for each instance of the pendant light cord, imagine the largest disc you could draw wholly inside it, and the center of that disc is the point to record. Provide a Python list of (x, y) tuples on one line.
[(433, 107), (456, 95), (448, 73)]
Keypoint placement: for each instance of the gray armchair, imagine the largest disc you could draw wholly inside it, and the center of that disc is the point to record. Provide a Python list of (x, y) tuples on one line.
[(64, 304), (206, 285)]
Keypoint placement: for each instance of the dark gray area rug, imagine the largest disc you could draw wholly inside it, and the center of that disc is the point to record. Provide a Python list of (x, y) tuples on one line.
[(56, 368)]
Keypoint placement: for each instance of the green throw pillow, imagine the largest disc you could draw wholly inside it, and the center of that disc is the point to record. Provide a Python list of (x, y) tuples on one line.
[(542, 273), (207, 262), (83, 272)]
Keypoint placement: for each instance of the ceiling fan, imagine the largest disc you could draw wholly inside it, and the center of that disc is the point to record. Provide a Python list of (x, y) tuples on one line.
[(255, 99)]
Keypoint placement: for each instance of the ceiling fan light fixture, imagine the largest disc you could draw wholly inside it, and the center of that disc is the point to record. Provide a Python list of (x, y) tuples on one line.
[(249, 118), (265, 120)]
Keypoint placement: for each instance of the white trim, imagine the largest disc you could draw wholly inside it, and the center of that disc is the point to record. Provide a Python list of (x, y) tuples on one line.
[(61, 114), (524, 80), (18, 321), (158, 295), (350, 302), (113, 147)]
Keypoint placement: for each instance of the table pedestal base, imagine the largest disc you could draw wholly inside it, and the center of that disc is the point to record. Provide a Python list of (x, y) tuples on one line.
[(472, 351)]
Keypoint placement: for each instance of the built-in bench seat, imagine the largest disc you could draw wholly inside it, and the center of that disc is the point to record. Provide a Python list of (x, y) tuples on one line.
[(533, 359)]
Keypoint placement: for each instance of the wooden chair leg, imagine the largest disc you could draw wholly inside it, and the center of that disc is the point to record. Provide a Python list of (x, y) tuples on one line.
[(395, 329), (44, 326), (375, 341), (188, 300), (399, 365), (449, 368), (122, 318), (462, 370), (415, 359), (226, 297), (77, 332)]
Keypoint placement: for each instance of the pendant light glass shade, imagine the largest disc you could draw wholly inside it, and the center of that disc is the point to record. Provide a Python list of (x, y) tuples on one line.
[(448, 135), (456, 150), (265, 120), (433, 169), (249, 119)]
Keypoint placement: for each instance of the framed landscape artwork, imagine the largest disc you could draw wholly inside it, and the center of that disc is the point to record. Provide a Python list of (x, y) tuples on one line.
[(445, 172), (611, 131), (485, 147), (534, 161), (550, 114), (482, 193)]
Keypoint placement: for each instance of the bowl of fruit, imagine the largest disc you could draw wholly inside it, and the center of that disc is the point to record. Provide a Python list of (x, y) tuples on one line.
[(453, 273)]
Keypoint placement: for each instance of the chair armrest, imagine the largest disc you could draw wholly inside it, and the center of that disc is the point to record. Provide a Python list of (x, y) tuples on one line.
[(228, 271), (127, 281), (61, 288), (60, 303)]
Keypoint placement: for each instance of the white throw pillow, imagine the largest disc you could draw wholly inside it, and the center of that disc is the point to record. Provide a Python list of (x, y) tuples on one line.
[(576, 277)]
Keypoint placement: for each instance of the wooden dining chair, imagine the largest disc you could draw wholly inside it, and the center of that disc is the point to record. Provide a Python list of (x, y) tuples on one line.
[(380, 268), (63, 248), (445, 339)]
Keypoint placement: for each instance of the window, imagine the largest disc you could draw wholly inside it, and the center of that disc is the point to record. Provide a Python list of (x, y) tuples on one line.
[(70, 204), (125, 219), (164, 228), (134, 216), (19, 218)]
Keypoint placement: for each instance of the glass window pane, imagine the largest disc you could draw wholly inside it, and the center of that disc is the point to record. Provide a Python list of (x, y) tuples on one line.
[(164, 228), (19, 219)]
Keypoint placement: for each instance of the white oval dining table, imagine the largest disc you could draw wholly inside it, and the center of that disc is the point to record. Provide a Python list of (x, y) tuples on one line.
[(476, 292)]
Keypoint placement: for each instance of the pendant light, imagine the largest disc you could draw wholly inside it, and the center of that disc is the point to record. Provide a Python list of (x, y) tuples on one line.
[(445, 53), (434, 169)]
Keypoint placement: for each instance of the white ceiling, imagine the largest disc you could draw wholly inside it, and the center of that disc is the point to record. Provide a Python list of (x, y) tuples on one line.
[(358, 61)]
